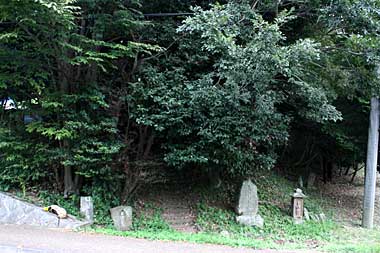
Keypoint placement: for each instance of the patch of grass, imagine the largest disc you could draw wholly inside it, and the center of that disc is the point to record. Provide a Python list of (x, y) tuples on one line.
[(202, 237), (354, 239), (353, 248), (149, 219), (218, 225), (149, 224), (369, 244), (278, 227)]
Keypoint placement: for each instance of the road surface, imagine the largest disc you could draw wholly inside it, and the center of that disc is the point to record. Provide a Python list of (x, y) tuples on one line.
[(23, 239)]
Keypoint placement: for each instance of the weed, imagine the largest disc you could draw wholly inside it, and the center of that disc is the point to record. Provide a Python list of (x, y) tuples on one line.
[(150, 219), (71, 204)]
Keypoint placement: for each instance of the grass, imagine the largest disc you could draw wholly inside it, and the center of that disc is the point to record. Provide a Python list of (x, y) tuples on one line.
[(341, 246), (354, 239), (326, 237), (203, 237), (278, 226)]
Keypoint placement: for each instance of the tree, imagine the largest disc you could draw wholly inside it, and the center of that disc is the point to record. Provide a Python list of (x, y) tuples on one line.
[(226, 115), (53, 60), (358, 26)]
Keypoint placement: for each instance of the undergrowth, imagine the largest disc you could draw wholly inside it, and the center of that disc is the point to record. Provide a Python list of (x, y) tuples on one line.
[(150, 219), (71, 204), (217, 224), (277, 227), (274, 206), (216, 220)]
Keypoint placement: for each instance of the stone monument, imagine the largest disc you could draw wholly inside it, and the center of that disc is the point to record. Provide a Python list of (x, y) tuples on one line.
[(122, 217), (248, 206), (87, 208)]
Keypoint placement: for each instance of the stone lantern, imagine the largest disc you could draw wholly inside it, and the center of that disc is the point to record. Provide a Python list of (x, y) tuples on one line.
[(297, 206)]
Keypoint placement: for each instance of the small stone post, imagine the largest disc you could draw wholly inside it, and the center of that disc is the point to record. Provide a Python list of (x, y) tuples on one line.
[(87, 208), (122, 217), (297, 206)]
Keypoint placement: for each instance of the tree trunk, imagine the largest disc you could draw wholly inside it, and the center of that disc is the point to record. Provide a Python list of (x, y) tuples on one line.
[(69, 183), (64, 72), (371, 164), (356, 169)]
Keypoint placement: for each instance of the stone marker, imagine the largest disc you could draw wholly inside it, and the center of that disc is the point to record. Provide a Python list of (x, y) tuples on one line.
[(122, 217), (248, 206), (87, 208)]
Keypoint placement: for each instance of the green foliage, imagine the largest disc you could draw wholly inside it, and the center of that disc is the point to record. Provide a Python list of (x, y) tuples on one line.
[(150, 219), (52, 61), (215, 220), (104, 191), (17, 163), (348, 33), (51, 198), (227, 115)]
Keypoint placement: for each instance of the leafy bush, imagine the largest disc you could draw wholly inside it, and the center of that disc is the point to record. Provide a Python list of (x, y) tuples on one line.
[(150, 219), (50, 198)]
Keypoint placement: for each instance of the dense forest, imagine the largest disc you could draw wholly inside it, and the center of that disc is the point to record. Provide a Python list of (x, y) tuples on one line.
[(102, 97)]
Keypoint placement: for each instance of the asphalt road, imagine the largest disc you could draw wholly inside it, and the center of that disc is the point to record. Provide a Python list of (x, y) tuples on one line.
[(23, 239)]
